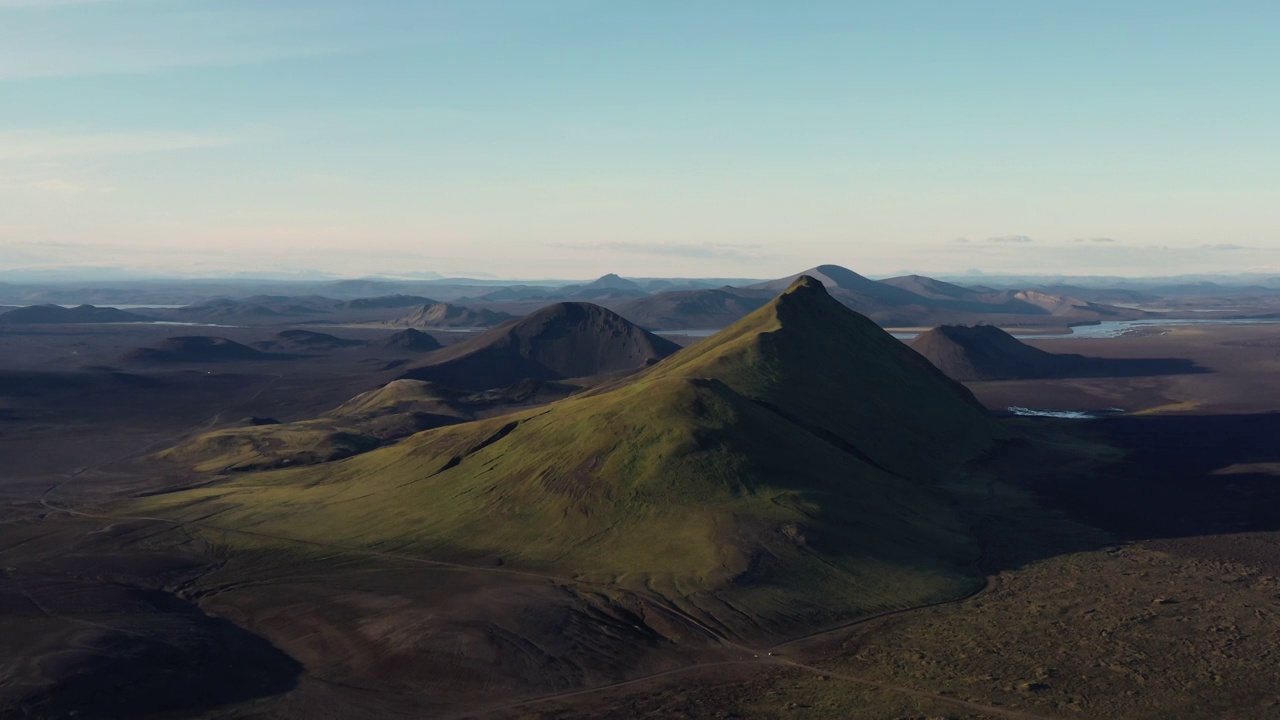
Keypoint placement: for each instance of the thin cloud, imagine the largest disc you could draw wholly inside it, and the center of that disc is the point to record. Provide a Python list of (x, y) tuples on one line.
[(46, 145), (1011, 239), (1095, 240)]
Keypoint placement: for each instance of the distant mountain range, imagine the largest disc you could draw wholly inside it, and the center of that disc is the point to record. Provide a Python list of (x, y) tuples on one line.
[(685, 304), (58, 315), (904, 301)]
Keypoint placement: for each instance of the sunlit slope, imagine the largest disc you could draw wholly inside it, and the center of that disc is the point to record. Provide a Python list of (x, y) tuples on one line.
[(732, 478), (837, 373)]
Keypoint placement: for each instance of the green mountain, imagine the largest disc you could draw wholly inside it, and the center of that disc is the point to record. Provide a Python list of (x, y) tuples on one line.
[(785, 472)]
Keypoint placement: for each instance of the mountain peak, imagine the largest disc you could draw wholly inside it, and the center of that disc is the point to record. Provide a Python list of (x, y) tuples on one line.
[(805, 284)]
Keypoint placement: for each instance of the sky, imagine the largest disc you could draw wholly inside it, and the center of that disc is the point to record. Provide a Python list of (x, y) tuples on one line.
[(570, 138)]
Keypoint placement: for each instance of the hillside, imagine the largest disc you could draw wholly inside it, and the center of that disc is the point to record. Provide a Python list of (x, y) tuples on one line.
[(193, 349), (692, 309), (560, 341), (785, 472), (396, 410), (306, 341), (58, 315), (985, 352), (1063, 306), (446, 315), (408, 340), (934, 289)]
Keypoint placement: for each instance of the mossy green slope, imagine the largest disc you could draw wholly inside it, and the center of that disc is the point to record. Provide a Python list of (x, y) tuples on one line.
[(764, 479)]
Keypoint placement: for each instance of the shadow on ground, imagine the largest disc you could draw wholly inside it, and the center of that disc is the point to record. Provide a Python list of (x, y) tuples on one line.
[(141, 652), (1182, 476)]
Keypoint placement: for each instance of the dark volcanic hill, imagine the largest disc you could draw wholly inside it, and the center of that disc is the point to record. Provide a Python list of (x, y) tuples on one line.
[(560, 341), (786, 472), (193, 349), (306, 341), (985, 352), (607, 286), (409, 340), (56, 314), (446, 315)]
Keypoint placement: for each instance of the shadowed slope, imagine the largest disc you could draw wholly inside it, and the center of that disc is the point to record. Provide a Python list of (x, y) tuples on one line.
[(767, 479), (193, 349), (409, 340), (560, 341), (985, 352), (692, 309), (930, 288), (812, 359), (306, 341)]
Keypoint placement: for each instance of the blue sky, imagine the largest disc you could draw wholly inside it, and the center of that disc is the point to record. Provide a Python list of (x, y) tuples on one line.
[(568, 138)]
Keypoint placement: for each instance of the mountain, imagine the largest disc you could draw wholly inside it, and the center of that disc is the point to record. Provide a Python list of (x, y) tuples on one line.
[(445, 315), (720, 307), (985, 352), (58, 315), (849, 287), (919, 300), (928, 287), (193, 349), (560, 341), (305, 341), (1062, 306), (692, 309), (607, 286), (408, 340), (786, 472)]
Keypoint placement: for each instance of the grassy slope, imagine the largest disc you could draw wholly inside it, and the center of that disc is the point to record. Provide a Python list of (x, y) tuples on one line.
[(689, 481)]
